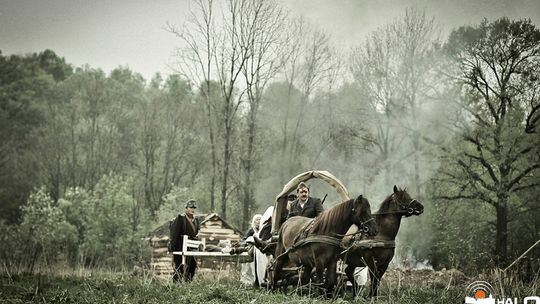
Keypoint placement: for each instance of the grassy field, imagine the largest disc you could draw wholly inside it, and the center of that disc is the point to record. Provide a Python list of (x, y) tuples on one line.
[(99, 287)]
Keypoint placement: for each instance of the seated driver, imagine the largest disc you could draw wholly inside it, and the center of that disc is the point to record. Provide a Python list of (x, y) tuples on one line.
[(304, 205)]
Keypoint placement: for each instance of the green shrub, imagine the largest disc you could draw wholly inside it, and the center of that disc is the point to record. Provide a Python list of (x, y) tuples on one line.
[(44, 234)]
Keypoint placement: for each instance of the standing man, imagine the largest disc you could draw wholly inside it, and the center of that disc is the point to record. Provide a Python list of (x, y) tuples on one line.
[(184, 224), (304, 205)]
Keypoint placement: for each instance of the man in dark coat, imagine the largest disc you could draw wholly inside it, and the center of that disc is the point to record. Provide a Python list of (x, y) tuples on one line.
[(184, 224), (304, 205)]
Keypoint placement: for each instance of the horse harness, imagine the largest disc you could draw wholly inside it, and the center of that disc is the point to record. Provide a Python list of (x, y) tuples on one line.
[(369, 244), (304, 238)]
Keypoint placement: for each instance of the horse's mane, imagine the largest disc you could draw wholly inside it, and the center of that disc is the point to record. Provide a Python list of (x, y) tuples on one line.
[(385, 205), (326, 222)]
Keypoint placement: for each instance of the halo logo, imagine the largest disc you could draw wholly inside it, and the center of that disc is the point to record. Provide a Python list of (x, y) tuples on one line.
[(480, 292)]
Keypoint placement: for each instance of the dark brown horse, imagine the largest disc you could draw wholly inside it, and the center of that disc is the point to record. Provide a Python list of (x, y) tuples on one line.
[(388, 220), (316, 243)]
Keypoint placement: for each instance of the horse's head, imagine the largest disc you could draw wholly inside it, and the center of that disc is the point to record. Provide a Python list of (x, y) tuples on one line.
[(404, 204), (362, 217)]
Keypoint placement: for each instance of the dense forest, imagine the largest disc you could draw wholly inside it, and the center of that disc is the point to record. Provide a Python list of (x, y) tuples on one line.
[(91, 162)]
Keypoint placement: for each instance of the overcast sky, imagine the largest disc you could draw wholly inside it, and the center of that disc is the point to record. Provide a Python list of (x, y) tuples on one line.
[(109, 33)]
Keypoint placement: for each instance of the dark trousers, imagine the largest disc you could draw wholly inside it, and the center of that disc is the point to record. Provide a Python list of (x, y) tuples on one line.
[(184, 272)]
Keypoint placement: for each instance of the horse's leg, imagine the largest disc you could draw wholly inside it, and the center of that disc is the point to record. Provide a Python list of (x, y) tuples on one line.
[(306, 274), (349, 271), (373, 279), (278, 267), (381, 269), (384, 257), (304, 277), (319, 272), (373, 274), (331, 276)]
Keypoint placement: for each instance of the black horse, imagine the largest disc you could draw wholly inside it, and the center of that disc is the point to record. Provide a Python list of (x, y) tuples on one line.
[(388, 220)]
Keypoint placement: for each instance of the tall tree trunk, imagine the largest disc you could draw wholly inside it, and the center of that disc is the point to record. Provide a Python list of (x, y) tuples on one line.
[(502, 231), (416, 158), (73, 145), (213, 182), (212, 153), (247, 204), (285, 162), (248, 169), (226, 165)]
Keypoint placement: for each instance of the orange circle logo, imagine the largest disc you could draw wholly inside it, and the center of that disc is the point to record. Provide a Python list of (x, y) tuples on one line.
[(480, 294), (479, 290)]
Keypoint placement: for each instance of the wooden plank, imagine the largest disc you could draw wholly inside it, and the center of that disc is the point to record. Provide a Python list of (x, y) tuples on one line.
[(217, 230), (213, 224), (163, 258), (167, 257), (162, 264), (169, 262), (159, 244), (160, 250), (244, 256), (219, 235), (169, 265), (218, 238), (161, 255), (159, 238)]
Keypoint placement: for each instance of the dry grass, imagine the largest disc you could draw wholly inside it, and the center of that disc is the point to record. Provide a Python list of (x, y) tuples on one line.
[(92, 286)]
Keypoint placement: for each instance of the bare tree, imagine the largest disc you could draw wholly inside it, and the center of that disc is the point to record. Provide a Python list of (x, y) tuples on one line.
[(374, 71), (416, 80), (168, 141), (195, 62), (307, 59), (262, 37), (149, 143), (394, 70), (217, 52)]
